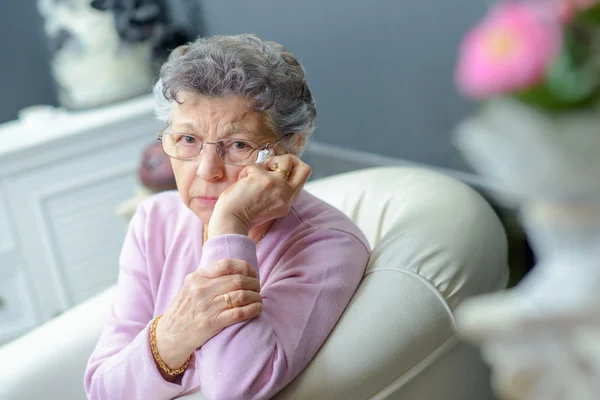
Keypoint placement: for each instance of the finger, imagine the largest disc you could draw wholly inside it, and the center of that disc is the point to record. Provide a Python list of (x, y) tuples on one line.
[(299, 175), (299, 171), (238, 314), (239, 298), (232, 283), (251, 169), (229, 266), (283, 165), (285, 161)]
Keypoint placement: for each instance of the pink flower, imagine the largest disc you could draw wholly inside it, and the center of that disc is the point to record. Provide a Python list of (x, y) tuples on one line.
[(509, 50)]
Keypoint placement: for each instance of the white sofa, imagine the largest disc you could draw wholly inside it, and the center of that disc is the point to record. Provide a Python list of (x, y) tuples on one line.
[(435, 242)]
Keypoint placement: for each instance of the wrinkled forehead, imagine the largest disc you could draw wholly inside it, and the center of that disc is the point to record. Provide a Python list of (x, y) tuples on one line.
[(219, 116)]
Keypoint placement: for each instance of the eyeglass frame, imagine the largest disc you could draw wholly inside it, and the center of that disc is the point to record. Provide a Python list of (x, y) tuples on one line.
[(267, 146)]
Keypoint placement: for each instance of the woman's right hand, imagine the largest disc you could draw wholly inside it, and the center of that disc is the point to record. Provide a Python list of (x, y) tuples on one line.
[(200, 310)]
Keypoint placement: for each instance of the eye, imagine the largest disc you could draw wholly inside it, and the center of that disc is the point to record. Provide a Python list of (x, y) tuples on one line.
[(189, 139), (239, 145)]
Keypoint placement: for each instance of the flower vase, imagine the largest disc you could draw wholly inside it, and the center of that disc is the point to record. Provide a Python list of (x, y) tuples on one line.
[(91, 66), (542, 338)]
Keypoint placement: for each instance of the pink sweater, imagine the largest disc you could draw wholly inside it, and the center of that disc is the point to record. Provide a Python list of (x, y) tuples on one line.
[(310, 263)]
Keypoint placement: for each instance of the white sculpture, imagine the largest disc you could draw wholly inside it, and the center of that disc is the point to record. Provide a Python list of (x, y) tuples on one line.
[(91, 65)]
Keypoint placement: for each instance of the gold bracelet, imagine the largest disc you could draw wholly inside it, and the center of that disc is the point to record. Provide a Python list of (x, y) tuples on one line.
[(158, 359)]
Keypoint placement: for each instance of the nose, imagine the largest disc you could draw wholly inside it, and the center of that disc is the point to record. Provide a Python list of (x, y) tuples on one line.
[(210, 166)]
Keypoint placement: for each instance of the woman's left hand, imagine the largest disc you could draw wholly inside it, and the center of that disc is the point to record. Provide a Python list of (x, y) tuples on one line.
[(261, 194)]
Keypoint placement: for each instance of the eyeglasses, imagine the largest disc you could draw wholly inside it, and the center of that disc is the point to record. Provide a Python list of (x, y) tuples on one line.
[(238, 152)]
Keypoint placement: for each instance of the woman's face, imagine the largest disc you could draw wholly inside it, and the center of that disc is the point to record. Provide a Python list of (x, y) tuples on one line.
[(201, 181)]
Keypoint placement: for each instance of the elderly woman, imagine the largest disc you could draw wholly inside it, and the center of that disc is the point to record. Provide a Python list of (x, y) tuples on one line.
[(231, 285)]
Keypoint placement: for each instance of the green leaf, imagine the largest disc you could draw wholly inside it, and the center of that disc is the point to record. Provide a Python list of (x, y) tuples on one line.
[(591, 15), (569, 83), (541, 97)]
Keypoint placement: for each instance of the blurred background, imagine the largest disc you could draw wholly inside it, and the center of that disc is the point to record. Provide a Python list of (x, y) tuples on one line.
[(77, 125), (381, 71)]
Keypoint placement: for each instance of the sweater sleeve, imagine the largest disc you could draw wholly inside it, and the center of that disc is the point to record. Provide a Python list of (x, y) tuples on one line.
[(304, 297), (122, 365)]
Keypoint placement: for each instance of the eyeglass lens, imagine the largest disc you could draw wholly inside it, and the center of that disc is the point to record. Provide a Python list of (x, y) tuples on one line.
[(188, 147)]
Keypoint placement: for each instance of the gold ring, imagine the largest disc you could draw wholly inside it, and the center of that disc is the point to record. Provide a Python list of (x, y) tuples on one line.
[(285, 171), (228, 300)]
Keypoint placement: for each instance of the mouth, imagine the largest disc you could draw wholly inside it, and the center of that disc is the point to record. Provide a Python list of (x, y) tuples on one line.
[(206, 200)]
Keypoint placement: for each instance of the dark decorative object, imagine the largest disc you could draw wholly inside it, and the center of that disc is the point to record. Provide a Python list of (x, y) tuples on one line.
[(145, 21), (155, 171)]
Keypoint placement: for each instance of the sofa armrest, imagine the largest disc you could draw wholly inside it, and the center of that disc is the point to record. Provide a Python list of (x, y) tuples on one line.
[(48, 362), (394, 327)]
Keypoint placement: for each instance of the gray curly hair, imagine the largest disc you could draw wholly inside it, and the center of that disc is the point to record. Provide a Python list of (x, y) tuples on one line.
[(265, 73)]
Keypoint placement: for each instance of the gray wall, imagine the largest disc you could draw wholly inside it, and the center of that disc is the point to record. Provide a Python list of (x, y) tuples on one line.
[(24, 71), (380, 70)]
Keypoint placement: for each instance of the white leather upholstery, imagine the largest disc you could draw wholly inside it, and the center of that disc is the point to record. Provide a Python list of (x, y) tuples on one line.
[(48, 363), (435, 242)]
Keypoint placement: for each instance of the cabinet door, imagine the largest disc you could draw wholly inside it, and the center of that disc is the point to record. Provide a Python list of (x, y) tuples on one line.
[(17, 310), (71, 236)]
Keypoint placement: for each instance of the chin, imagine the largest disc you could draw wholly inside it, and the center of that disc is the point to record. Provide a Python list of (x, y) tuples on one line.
[(202, 211), (203, 214)]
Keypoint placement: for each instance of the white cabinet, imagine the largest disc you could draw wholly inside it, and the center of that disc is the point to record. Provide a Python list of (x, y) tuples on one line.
[(62, 176)]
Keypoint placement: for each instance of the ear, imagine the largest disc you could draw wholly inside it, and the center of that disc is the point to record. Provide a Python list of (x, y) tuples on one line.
[(299, 141), (296, 142)]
